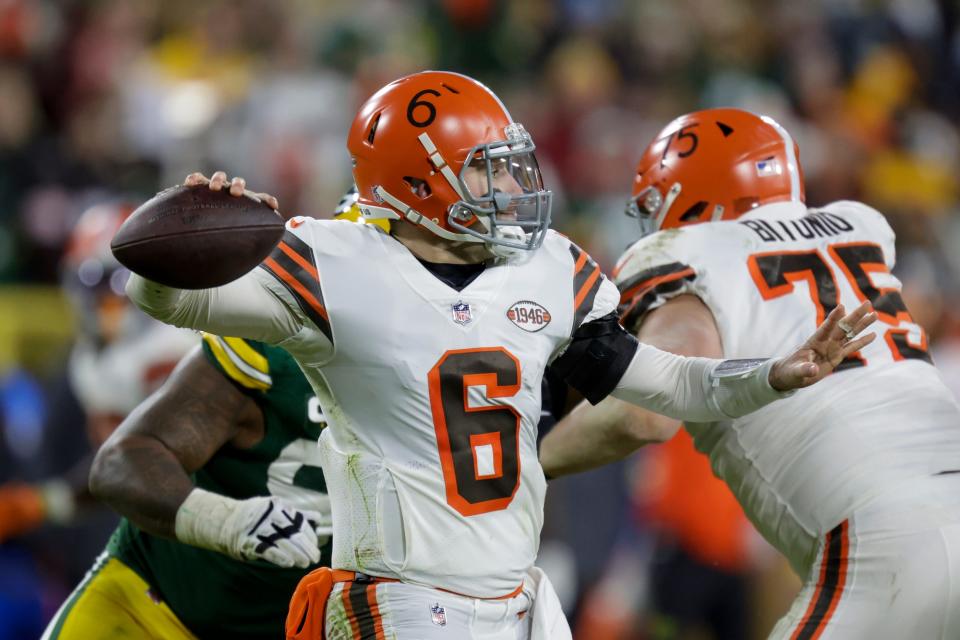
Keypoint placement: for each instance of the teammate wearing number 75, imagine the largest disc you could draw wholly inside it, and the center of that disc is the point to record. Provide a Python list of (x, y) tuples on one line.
[(435, 487), (856, 480)]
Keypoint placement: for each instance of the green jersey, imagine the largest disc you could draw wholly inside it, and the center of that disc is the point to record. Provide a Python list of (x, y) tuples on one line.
[(212, 594)]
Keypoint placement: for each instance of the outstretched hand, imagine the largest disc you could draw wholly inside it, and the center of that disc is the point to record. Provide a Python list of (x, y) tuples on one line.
[(237, 187), (833, 341)]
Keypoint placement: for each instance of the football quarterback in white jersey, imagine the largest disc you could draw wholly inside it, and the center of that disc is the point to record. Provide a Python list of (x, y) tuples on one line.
[(435, 487), (851, 479)]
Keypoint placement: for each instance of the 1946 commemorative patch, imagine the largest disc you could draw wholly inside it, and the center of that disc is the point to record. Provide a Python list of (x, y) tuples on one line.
[(528, 315)]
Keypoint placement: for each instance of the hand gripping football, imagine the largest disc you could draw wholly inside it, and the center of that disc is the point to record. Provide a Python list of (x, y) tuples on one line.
[(195, 238)]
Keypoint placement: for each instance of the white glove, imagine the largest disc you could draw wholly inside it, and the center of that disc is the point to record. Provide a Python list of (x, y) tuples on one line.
[(260, 528)]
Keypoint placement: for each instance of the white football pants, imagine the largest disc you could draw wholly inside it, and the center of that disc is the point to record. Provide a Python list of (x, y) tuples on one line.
[(403, 611), (889, 572)]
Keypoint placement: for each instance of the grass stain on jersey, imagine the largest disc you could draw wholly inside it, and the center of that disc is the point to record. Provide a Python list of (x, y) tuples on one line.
[(361, 552), (652, 246), (662, 239)]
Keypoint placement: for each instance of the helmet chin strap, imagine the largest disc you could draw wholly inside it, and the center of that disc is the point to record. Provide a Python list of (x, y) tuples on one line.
[(411, 214), (667, 203), (512, 233), (373, 212)]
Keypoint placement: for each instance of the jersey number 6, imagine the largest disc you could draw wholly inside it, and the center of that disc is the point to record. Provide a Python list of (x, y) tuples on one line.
[(479, 444)]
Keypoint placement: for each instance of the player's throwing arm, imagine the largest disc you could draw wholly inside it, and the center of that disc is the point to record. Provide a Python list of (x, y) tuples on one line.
[(715, 390)]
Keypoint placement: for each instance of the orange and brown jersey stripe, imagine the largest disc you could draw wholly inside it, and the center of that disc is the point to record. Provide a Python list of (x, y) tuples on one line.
[(363, 610), (833, 578), (587, 279), (640, 292), (293, 265)]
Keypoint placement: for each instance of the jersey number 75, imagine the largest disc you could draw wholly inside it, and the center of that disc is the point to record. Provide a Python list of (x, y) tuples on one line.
[(774, 274)]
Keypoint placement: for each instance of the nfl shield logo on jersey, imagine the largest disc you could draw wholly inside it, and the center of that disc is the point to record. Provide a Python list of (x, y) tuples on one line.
[(438, 615), (461, 312)]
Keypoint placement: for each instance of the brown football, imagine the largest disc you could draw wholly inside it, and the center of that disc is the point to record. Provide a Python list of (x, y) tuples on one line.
[(195, 238)]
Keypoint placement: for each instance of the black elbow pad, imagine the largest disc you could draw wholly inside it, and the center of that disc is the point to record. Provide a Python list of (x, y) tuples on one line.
[(597, 357)]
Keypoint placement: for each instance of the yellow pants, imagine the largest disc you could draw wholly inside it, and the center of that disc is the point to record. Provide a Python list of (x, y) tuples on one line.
[(114, 602)]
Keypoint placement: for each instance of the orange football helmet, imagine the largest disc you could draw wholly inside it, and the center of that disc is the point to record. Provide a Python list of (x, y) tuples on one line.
[(715, 164), (91, 277), (88, 262), (440, 150)]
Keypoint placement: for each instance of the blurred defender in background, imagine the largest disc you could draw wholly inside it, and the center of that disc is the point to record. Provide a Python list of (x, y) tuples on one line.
[(119, 356), (698, 558)]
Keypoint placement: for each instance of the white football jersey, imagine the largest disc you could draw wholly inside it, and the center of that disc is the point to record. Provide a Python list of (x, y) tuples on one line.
[(432, 397), (114, 379), (801, 465)]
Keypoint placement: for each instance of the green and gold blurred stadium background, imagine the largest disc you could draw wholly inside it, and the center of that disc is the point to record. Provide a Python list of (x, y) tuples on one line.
[(110, 100)]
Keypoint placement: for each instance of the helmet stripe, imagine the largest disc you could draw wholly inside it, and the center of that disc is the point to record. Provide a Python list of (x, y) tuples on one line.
[(440, 162), (793, 165)]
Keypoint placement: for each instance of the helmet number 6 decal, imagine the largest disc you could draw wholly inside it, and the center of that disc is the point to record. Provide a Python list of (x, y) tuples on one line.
[(417, 106)]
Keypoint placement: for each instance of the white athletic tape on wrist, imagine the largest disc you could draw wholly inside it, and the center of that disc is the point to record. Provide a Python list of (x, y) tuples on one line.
[(743, 386), (201, 517)]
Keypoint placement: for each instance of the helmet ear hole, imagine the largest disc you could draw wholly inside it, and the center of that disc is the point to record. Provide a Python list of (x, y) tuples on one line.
[(694, 212), (418, 187)]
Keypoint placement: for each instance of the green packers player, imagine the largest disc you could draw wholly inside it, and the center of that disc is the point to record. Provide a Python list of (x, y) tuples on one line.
[(347, 209), (224, 507)]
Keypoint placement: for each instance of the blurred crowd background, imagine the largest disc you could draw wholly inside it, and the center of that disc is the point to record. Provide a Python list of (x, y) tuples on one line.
[(103, 103)]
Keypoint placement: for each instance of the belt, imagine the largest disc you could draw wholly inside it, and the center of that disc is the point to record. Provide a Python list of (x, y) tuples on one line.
[(343, 575)]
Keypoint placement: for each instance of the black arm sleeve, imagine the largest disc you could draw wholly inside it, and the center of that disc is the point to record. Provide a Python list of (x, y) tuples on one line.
[(598, 355)]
